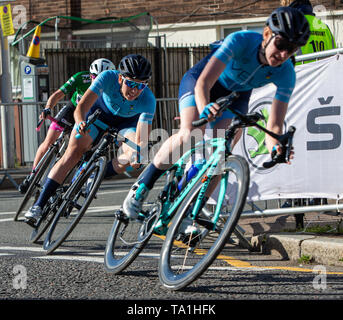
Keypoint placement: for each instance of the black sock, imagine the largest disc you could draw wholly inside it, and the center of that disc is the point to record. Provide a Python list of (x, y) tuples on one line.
[(50, 186), (151, 175)]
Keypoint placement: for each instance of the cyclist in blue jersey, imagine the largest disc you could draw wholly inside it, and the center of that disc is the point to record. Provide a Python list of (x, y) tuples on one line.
[(243, 61), (126, 103)]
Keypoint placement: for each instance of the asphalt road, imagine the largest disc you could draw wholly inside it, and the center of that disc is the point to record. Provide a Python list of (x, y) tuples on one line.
[(76, 270)]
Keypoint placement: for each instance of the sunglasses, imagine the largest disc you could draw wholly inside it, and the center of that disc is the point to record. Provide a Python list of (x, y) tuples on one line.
[(93, 76), (133, 84), (283, 44)]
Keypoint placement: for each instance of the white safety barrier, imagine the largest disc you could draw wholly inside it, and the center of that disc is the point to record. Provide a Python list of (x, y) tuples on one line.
[(315, 111)]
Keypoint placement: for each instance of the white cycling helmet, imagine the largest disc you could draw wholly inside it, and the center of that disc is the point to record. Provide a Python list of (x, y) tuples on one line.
[(101, 65)]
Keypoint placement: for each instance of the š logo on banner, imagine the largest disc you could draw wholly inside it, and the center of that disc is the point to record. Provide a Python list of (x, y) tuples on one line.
[(253, 139)]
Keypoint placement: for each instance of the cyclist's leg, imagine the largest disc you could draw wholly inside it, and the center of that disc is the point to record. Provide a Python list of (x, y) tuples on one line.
[(65, 114), (50, 138), (123, 160), (72, 155), (127, 127)]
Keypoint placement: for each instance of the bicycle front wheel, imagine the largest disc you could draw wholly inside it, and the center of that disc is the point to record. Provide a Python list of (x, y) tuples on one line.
[(128, 238), (191, 245), (77, 200)]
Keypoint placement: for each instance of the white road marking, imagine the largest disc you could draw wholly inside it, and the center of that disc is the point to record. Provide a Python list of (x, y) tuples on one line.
[(6, 213), (96, 257)]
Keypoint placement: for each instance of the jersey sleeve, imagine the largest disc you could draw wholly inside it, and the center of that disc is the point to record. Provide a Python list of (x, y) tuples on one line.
[(232, 47), (102, 80), (71, 84)]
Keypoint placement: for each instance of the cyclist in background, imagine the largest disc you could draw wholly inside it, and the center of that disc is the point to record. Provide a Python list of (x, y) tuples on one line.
[(243, 61), (77, 84), (126, 103), (321, 38)]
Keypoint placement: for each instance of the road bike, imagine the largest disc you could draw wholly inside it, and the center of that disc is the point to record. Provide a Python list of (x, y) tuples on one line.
[(185, 256), (75, 199), (40, 172)]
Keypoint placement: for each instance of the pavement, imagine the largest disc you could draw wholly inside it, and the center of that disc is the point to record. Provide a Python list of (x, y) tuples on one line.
[(277, 236), (270, 235)]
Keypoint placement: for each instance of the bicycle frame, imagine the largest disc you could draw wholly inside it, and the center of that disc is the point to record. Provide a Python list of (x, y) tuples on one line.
[(221, 150)]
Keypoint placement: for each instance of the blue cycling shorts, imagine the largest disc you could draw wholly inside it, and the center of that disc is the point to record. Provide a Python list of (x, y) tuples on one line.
[(187, 97), (107, 119)]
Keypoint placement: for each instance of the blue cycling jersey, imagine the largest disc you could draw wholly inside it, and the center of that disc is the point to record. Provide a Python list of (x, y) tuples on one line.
[(107, 85), (243, 72)]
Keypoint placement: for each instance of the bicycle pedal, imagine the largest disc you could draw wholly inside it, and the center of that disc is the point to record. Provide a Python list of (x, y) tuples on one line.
[(31, 223), (120, 215)]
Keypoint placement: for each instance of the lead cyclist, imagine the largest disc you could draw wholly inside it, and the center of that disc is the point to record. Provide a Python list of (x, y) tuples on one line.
[(244, 60)]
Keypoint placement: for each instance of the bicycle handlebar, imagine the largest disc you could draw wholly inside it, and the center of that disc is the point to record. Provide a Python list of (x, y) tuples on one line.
[(91, 119), (224, 102), (47, 116), (286, 140)]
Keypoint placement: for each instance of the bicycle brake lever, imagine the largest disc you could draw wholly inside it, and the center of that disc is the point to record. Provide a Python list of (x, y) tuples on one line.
[(286, 141)]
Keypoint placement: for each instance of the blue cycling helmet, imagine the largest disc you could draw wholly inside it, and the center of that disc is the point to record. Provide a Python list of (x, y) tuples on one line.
[(291, 24), (135, 66)]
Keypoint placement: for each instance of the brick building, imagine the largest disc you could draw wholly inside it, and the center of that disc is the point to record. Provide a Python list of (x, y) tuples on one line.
[(182, 21)]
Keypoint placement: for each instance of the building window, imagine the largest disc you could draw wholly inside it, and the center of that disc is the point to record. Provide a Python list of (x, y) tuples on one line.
[(227, 30)]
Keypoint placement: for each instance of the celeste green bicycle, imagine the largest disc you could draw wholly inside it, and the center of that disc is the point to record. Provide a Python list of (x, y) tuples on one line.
[(198, 217)]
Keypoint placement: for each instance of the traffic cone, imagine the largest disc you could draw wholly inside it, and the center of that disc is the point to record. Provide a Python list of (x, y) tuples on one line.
[(33, 51)]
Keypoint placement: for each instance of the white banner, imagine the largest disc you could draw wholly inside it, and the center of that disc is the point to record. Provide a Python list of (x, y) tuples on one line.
[(315, 111)]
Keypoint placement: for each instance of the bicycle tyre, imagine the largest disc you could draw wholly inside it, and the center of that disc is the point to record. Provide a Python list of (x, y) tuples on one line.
[(37, 179), (120, 252), (170, 274), (76, 192), (48, 215)]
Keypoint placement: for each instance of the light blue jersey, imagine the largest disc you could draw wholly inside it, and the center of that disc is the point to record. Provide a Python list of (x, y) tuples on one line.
[(243, 72), (107, 85)]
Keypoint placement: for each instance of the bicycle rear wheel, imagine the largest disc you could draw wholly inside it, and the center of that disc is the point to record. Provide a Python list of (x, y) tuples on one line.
[(37, 180), (48, 215), (76, 201), (186, 256)]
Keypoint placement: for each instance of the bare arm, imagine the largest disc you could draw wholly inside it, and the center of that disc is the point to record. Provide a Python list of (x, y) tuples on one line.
[(54, 98), (52, 101), (206, 81), (275, 121), (86, 102)]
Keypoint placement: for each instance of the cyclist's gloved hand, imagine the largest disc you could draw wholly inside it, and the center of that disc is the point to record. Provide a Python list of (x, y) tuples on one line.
[(278, 154), (206, 112), (210, 112), (44, 113), (80, 127)]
